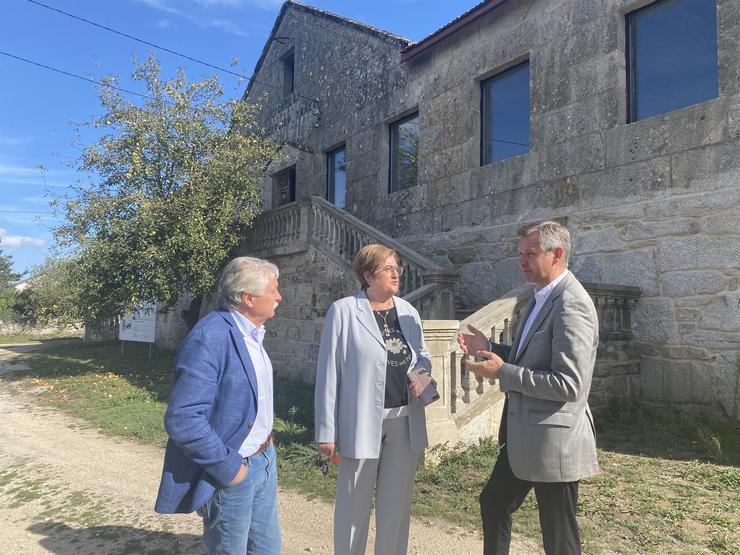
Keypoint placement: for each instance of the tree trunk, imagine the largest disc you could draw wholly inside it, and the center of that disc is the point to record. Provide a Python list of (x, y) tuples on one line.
[(190, 315)]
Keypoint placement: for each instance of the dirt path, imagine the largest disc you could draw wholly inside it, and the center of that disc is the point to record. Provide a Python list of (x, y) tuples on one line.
[(67, 489)]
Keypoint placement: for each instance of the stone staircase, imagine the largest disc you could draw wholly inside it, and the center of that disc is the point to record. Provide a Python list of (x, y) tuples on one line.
[(338, 235), (314, 243)]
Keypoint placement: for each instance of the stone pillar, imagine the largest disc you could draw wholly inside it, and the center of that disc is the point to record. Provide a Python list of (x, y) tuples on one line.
[(441, 340), (443, 306)]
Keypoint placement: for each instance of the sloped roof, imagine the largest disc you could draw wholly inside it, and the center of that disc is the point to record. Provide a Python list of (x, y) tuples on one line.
[(453, 26), (399, 41)]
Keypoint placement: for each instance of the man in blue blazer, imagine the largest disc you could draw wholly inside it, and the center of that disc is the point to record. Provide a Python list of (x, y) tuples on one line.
[(220, 460)]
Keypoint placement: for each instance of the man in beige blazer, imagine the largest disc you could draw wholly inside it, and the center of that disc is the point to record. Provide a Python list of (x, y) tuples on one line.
[(547, 431)]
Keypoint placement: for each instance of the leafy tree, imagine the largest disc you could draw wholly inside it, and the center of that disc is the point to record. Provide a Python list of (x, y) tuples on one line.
[(7, 287), (175, 182), (51, 296)]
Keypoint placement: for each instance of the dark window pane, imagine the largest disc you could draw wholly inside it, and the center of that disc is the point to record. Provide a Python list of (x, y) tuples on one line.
[(288, 73), (285, 185), (404, 153), (505, 114), (337, 176), (673, 56)]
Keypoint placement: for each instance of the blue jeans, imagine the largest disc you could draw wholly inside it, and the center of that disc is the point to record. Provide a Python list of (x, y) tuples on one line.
[(243, 519)]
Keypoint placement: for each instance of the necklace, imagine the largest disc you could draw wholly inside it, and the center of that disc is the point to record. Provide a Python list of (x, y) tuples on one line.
[(386, 331), (387, 305)]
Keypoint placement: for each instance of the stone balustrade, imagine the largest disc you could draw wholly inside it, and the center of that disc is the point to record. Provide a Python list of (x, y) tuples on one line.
[(470, 407), (314, 221)]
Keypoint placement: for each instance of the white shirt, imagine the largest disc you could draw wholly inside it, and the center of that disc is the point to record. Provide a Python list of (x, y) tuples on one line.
[(262, 427), (540, 296)]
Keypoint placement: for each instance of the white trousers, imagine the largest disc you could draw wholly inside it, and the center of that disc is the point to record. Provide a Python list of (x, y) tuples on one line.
[(391, 477)]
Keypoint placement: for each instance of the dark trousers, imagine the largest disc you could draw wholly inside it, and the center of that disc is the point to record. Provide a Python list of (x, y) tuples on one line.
[(504, 493)]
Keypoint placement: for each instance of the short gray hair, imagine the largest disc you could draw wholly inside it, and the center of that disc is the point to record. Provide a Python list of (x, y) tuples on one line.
[(551, 235), (244, 275)]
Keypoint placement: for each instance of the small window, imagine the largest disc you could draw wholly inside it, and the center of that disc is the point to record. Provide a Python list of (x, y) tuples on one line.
[(671, 56), (505, 114), (285, 186), (288, 72), (404, 162), (336, 173)]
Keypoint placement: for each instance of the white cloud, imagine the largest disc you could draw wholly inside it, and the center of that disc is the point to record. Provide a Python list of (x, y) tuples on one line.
[(200, 20), (164, 23), (226, 25), (13, 174), (6, 141), (19, 240), (17, 171)]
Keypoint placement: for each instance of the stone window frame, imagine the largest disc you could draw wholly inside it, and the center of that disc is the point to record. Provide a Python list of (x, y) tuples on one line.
[(482, 80), (391, 125), (634, 8), (287, 67), (330, 153)]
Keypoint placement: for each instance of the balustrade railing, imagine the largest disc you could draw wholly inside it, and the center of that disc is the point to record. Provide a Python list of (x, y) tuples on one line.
[(340, 235), (279, 229), (466, 396)]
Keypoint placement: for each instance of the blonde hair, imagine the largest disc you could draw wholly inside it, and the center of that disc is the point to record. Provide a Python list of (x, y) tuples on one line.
[(370, 259)]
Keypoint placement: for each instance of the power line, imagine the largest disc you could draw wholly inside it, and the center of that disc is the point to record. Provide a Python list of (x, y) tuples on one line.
[(163, 48), (148, 43), (67, 73)]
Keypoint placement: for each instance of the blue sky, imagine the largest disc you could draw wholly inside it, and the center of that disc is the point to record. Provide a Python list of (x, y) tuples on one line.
[(38, 107)]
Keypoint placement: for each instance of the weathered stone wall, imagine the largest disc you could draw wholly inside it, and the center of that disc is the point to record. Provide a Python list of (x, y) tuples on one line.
[(309, 283), (346, 81), (655, 203)]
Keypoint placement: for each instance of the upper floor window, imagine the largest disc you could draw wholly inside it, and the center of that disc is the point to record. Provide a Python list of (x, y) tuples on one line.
[(505, 114), (336, 173), (404, 162), (671, 56), (285, 186), (288, 61)]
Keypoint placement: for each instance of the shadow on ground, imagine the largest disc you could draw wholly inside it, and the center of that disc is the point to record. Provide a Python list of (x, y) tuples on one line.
[(62, 539)]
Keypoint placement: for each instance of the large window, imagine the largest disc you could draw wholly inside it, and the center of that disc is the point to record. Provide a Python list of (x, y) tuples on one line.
[(404, 162), (505, 114), (336, 173), (671, 56), (285, 186)]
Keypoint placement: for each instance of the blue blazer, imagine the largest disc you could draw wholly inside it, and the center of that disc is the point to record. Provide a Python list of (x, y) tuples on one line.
[(211, 410)]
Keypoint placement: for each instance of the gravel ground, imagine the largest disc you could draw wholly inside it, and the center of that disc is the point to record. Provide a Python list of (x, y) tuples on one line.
[(67, 489)]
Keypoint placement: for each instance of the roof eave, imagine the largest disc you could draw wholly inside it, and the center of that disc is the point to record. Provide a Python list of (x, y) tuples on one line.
[(450, 29)]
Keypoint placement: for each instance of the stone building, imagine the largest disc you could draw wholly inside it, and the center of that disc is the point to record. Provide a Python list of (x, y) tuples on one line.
[(620, 117)]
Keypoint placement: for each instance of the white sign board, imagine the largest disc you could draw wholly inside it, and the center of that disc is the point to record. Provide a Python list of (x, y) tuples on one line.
[(140, 325)]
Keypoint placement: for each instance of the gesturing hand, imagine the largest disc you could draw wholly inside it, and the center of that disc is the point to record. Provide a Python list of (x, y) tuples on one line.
[(473, 342), (489, 367)]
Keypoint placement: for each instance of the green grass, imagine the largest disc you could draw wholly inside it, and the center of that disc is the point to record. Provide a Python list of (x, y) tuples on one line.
[(26, 336), (668, 484)]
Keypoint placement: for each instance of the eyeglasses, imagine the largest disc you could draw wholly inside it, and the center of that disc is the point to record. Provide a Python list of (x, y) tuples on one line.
[(390, 269)]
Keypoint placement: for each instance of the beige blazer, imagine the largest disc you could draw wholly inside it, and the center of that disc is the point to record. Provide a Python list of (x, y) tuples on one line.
[(549, 427), (350, 377)]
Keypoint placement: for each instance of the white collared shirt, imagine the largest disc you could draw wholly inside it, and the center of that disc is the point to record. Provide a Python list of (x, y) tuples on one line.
[(262, 427), (540, 296)]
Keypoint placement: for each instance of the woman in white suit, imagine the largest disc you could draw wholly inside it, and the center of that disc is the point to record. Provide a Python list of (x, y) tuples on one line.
[(366, 410)]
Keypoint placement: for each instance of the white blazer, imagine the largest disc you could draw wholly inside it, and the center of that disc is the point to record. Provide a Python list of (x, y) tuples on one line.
[(350, 377)]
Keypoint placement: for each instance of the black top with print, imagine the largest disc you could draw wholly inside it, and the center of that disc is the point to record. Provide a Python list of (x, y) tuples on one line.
[(399, 358)]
